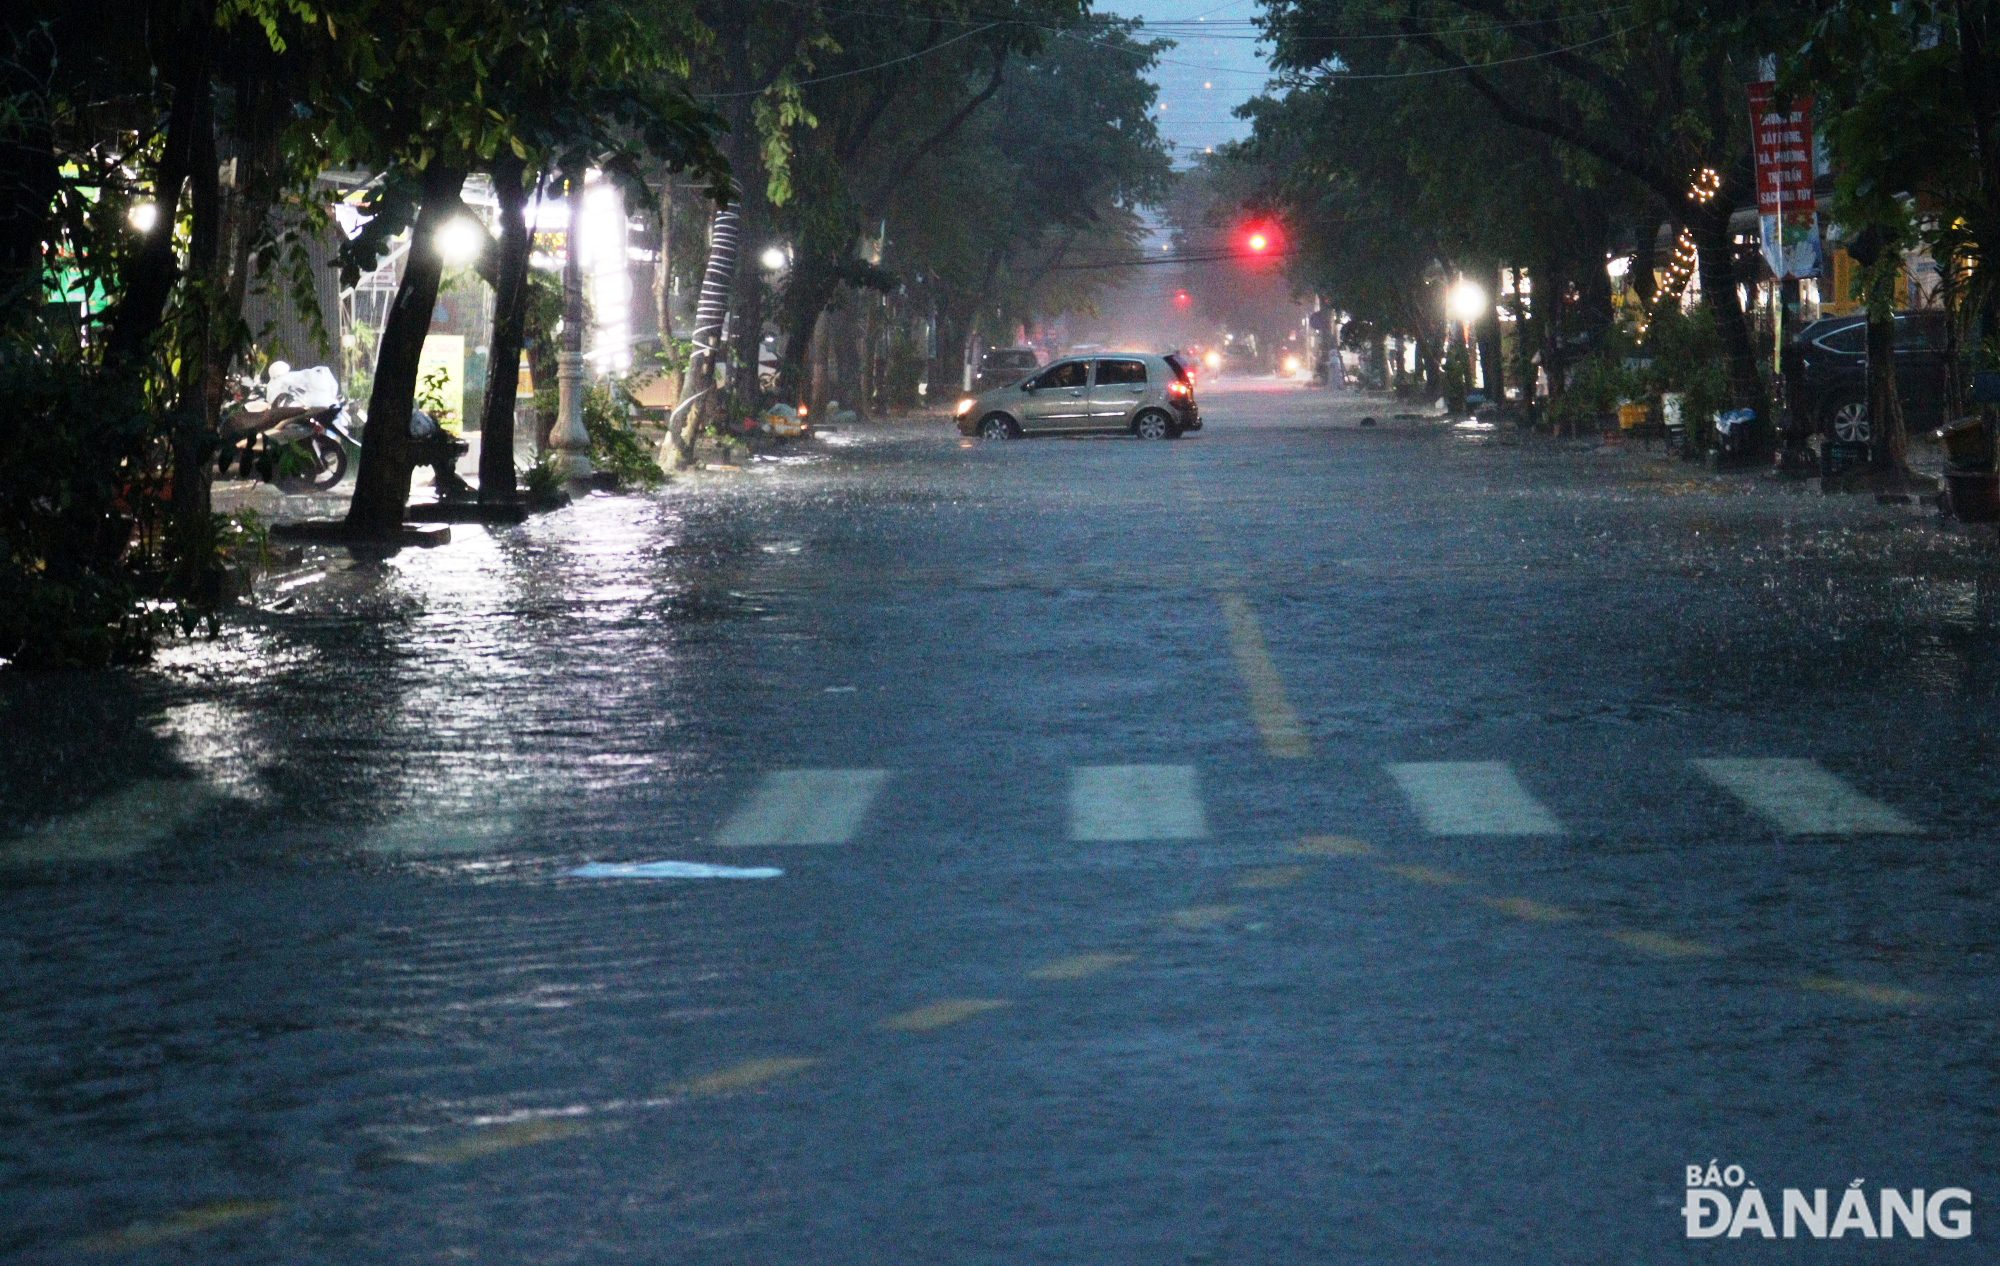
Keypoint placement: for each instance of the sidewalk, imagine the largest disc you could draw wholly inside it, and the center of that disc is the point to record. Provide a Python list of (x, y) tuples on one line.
[(273, 506)]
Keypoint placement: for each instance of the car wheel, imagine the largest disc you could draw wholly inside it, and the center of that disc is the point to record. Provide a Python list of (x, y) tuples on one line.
[(998, 426), (1154, 425), (1848, 421)]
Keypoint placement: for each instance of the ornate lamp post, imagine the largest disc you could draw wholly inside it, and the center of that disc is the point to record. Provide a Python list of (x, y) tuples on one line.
[(568, 441)]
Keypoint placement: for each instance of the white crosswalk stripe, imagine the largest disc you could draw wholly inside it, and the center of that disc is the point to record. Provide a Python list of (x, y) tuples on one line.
[(1472, 798), (804, 806), (1135, 802), (1801, 798)]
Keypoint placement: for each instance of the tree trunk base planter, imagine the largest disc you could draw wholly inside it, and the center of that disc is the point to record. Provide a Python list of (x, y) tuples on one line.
[(1973, 496), (467, 512), (337, 532)]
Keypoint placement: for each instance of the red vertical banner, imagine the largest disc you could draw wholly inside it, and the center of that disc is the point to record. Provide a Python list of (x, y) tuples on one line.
[(1782, 144)]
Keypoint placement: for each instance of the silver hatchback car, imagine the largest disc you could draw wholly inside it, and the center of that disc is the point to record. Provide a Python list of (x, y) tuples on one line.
[(1145, 395)]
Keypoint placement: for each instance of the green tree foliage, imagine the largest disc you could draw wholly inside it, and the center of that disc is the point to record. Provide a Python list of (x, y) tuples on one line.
[(1572, 114)]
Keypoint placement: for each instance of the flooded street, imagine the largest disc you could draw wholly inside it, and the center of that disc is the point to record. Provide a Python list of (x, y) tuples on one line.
[(1304, 841)]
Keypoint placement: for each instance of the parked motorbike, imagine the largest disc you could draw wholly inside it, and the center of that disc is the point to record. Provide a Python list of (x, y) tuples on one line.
[(288, 428)]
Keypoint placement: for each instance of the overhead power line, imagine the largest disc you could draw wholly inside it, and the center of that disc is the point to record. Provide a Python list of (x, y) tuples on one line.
[(1193, 257)]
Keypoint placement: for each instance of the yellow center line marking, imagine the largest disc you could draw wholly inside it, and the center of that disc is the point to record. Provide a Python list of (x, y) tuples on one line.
[(499, 1138), (1531, 910), (1077, 966), (1283, 735), (1655, 943), (936, 1015), (1333, 846), (1425, 875), (1662, 945), (185, 1223), (1880, 995), (1271, 877), (742, 1076), (1201, 916)]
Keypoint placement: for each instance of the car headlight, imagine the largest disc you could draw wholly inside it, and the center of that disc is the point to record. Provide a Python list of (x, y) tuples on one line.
[(964, 407)]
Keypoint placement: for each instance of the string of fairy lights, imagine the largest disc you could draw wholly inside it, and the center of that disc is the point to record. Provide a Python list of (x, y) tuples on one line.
[(1707, 184)]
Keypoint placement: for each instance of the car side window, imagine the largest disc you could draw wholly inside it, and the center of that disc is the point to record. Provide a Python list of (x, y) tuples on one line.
[(1915, 332), (1070, 373), (1121, 372), (1852, 339)]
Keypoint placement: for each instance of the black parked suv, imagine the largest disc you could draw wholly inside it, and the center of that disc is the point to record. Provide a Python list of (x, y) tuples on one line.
[(1826, 373)]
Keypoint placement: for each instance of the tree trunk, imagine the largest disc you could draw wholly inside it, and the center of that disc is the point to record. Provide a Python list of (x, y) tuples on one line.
[(1487, 331), (192, 504), (1891, 448), (1716, 258), (663, 268), (811, 287), (382, 486), (698, 386), (745, 351), (868, 402), (822, 367), (184, 64), (510, 312), (849, 346)]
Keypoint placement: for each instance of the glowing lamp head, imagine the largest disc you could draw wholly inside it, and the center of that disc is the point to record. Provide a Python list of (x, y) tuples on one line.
[(1259, 242), (458, 240), (1213, 360), (774, 258), (142, 216), (1466, 302)]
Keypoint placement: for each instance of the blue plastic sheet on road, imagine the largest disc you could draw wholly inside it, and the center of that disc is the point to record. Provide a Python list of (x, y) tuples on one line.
[(672, 870)]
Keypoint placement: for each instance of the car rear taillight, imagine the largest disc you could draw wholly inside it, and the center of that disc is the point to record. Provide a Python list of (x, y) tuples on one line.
[(1178, 388)]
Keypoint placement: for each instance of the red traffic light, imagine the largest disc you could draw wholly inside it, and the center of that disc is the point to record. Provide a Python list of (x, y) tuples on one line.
[(1260, 237), (1182, 299)]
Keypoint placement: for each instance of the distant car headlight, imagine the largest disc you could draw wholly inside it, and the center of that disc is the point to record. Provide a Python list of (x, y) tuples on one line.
[(964, 407)]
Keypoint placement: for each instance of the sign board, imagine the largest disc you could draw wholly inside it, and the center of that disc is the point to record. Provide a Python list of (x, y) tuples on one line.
[(443, 362), (1782, 143)]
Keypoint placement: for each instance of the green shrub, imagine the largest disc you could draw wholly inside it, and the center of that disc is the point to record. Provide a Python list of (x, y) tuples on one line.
[(71, 441), (1687, 357), (542, 480), (614, 442)]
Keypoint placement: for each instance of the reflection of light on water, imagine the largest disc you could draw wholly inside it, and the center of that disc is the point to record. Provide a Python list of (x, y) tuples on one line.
[(525, 678), (217, 740), (116, 826)]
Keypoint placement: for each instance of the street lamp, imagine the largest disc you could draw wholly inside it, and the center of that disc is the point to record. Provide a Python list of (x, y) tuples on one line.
[(774, 258), (458, 240), (1465, 302)]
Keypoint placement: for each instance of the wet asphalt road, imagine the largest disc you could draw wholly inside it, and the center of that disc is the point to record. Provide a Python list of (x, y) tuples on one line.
[(1282, 845)]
